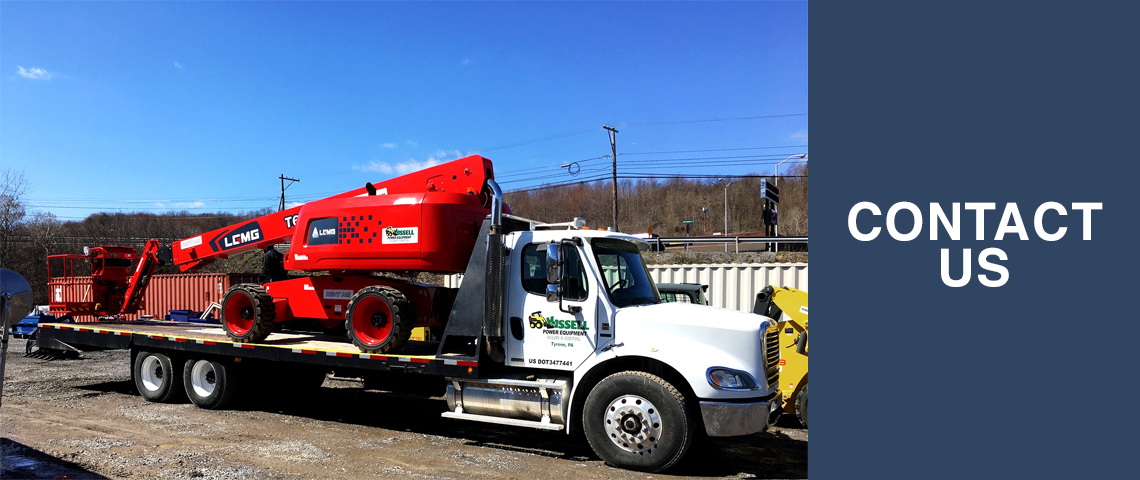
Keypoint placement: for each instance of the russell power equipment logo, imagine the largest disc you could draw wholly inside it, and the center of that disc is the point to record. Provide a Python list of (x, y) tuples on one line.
[(397, 235)]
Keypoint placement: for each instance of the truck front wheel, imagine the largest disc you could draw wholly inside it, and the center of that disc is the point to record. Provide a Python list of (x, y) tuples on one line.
[(638, 421), (155, 377), (209, 384)]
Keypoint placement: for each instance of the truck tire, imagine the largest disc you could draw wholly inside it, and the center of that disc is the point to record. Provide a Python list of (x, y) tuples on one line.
[(801, 406), (247, 313), (638, 421), (209, 383), (379, 319), (155, 377)]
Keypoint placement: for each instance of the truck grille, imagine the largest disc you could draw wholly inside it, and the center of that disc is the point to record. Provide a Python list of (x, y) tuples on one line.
[(772, 355)]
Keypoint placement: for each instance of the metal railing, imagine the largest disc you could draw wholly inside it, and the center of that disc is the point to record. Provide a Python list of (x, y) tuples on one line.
[(660, 242)]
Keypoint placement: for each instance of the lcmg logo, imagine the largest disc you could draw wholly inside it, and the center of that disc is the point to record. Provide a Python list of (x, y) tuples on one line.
[(245, 234), (241, 238)]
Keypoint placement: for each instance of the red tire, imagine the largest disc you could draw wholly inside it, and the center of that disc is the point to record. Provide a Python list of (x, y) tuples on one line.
[(247, 313), (379, 319)]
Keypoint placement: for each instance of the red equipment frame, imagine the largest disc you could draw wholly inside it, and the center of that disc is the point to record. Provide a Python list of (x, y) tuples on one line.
[(100, 294)]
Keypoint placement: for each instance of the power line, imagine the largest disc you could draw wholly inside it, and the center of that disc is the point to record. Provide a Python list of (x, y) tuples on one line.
[(644, 124), (537, 140), (170, 209), (166, 200), (672, 163), (155, 217), (551, 167), (716, 150), (643, 176)]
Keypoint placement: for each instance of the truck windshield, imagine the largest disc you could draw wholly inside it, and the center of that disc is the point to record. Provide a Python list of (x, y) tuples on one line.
[(626, 279)]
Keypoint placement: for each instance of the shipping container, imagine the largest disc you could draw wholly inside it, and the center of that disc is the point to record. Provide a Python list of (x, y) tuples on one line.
[(192, 291)]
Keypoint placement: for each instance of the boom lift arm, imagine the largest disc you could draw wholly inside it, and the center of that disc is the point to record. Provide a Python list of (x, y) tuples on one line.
[(148, 261)]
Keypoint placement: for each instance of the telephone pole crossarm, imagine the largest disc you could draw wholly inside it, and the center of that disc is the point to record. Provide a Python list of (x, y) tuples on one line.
[(281, 206)]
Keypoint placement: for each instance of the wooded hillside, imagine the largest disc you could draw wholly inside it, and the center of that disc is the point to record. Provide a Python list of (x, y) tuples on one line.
[(664, 203)]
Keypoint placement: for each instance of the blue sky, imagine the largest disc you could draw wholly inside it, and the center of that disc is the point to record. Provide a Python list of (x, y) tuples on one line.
[(200, 106)]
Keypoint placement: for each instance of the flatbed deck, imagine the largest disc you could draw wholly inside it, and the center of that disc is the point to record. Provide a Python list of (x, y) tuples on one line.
[(285, 346)]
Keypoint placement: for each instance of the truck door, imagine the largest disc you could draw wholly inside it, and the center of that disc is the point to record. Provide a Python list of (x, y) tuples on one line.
[(542, 335)]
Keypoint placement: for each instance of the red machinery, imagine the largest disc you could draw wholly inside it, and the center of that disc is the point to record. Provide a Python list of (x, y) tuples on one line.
[(109, 291), (426, 221)]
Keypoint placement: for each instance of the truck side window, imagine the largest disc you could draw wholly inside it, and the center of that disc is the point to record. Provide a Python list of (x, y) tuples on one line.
[(534, 272)]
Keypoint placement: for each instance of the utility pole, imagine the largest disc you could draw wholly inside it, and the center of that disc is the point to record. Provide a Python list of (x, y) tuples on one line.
[(283, 187), (613, 147), (726, 212)]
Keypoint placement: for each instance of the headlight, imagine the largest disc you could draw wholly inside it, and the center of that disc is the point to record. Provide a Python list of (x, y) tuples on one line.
[(728, 379)]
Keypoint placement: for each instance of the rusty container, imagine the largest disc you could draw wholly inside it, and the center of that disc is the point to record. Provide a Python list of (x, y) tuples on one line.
[(191, 291)]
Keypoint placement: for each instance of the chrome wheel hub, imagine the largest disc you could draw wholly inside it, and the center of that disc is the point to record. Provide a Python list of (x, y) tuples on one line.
[(634, 424), (202, 378), (151, 373)]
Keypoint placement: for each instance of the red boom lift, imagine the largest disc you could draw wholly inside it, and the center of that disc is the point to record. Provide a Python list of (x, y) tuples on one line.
[(426, 221)]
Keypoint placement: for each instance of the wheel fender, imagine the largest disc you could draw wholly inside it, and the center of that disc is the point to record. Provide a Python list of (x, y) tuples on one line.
[(607, 363)]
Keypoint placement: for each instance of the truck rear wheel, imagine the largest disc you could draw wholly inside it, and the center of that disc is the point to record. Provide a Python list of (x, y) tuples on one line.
[(801, 406), (209, 384), (638, 421), (379, 319), (155, 377), (247, 313)]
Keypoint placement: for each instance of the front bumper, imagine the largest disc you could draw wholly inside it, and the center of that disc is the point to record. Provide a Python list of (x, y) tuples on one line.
[(730, 419)]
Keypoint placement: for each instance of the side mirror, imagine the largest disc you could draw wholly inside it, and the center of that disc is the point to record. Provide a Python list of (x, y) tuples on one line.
[(552, 292), (553, 263)]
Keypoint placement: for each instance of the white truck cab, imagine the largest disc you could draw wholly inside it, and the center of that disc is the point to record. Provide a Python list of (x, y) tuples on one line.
[(592, 346)]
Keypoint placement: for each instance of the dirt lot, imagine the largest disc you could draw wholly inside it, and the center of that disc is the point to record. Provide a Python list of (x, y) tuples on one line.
[(82, 418)]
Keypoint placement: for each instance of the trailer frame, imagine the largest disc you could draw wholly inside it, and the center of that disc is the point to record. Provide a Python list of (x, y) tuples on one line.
[(298, 347)]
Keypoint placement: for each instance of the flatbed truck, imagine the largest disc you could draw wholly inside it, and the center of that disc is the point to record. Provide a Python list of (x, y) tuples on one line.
[(554, 327)]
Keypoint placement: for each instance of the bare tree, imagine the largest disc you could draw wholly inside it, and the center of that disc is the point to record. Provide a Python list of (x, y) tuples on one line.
[(13, 186), (794, 202), (664, 204)]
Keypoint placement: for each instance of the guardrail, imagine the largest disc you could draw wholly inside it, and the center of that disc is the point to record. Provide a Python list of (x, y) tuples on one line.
[(660, 242)]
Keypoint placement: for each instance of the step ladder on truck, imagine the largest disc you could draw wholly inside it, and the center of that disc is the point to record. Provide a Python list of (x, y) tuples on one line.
[(554, 326)]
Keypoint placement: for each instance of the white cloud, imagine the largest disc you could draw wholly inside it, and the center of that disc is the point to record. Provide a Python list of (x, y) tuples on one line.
[(400, 168), (466, 62), (293, 204), (163, 204), (412, 143), (444, 154), (801, 135), (388, 145), (178, 65), (33, 73)]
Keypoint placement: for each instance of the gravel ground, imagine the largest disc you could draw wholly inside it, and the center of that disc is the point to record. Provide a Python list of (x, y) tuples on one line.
[(81, 418)]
